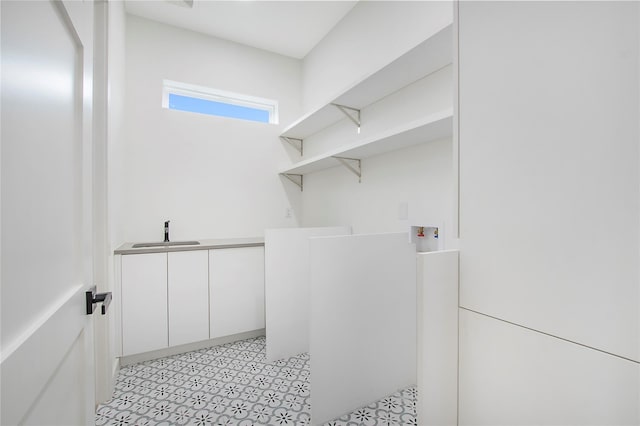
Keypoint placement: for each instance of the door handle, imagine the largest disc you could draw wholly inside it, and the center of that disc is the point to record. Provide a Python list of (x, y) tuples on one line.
[(93, 298)]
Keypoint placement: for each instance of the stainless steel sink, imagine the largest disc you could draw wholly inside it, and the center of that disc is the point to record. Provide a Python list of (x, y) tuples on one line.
[(167, 244)]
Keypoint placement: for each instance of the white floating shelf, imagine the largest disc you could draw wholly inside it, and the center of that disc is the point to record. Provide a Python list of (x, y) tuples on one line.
[(424, 59), (433, 127)]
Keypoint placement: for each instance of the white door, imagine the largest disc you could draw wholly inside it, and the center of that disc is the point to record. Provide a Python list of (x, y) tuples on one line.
[(188, 293), (144, 303), (236, 290), (46, 370)]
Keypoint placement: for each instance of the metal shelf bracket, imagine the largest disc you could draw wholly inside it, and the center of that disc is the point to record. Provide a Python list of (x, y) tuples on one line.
[(294, 142), (296, 179), (353, 164), (352, 114)]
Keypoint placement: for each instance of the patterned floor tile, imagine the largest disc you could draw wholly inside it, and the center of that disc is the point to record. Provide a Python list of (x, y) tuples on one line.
[(232, 384)]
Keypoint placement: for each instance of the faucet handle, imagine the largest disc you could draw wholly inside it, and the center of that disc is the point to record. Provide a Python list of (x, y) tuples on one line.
[(166, 231)]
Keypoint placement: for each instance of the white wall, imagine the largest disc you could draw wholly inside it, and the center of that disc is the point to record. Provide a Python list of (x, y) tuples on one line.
[(514, 376), (106, 349), (429, 95), (370, 36), (102, 351), (116, 45), (212, 177), (419, 176), (549, 210)]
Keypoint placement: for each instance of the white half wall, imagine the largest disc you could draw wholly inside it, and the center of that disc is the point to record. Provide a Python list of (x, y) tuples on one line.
[(286, 258), (437, 338), (370, 36), (513, 376), (212, 177), (363, 321)]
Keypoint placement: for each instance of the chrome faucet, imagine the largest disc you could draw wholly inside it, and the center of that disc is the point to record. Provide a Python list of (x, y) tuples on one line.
[(166, 232)]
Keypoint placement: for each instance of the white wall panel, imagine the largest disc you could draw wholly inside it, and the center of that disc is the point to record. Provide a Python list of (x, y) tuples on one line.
[(513, 376), (363, 320), (549, 162), (287, 288), (437, 338)]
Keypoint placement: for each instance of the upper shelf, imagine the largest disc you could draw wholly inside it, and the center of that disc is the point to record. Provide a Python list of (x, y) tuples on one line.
[(429, 128), (429, 56)]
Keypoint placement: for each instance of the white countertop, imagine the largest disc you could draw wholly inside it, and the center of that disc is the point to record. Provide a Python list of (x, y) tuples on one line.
[(219, 243)]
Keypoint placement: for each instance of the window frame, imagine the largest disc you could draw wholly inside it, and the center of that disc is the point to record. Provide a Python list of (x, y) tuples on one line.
[(170, 87)]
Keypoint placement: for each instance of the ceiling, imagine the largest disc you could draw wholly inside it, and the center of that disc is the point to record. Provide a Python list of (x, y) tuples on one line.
[(290, 28)]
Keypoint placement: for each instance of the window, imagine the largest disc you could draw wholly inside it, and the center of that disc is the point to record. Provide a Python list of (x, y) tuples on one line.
[(204, 100)]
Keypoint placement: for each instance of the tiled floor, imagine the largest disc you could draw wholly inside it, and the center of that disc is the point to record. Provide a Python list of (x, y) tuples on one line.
[(233, 385)]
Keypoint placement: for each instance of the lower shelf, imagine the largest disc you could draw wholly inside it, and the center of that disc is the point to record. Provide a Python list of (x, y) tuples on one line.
[(430, 128)]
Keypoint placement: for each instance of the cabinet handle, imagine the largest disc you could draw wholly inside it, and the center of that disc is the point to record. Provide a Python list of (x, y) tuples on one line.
[(92, 298)]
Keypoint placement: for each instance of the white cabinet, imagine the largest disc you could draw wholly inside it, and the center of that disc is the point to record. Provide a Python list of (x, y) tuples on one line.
[(175, 298), (236, 280), (144, 303), (188, 296)]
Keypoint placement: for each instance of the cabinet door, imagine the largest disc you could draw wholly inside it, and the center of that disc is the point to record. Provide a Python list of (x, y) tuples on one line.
[(188, 296), (144, 303), (236, 279)]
